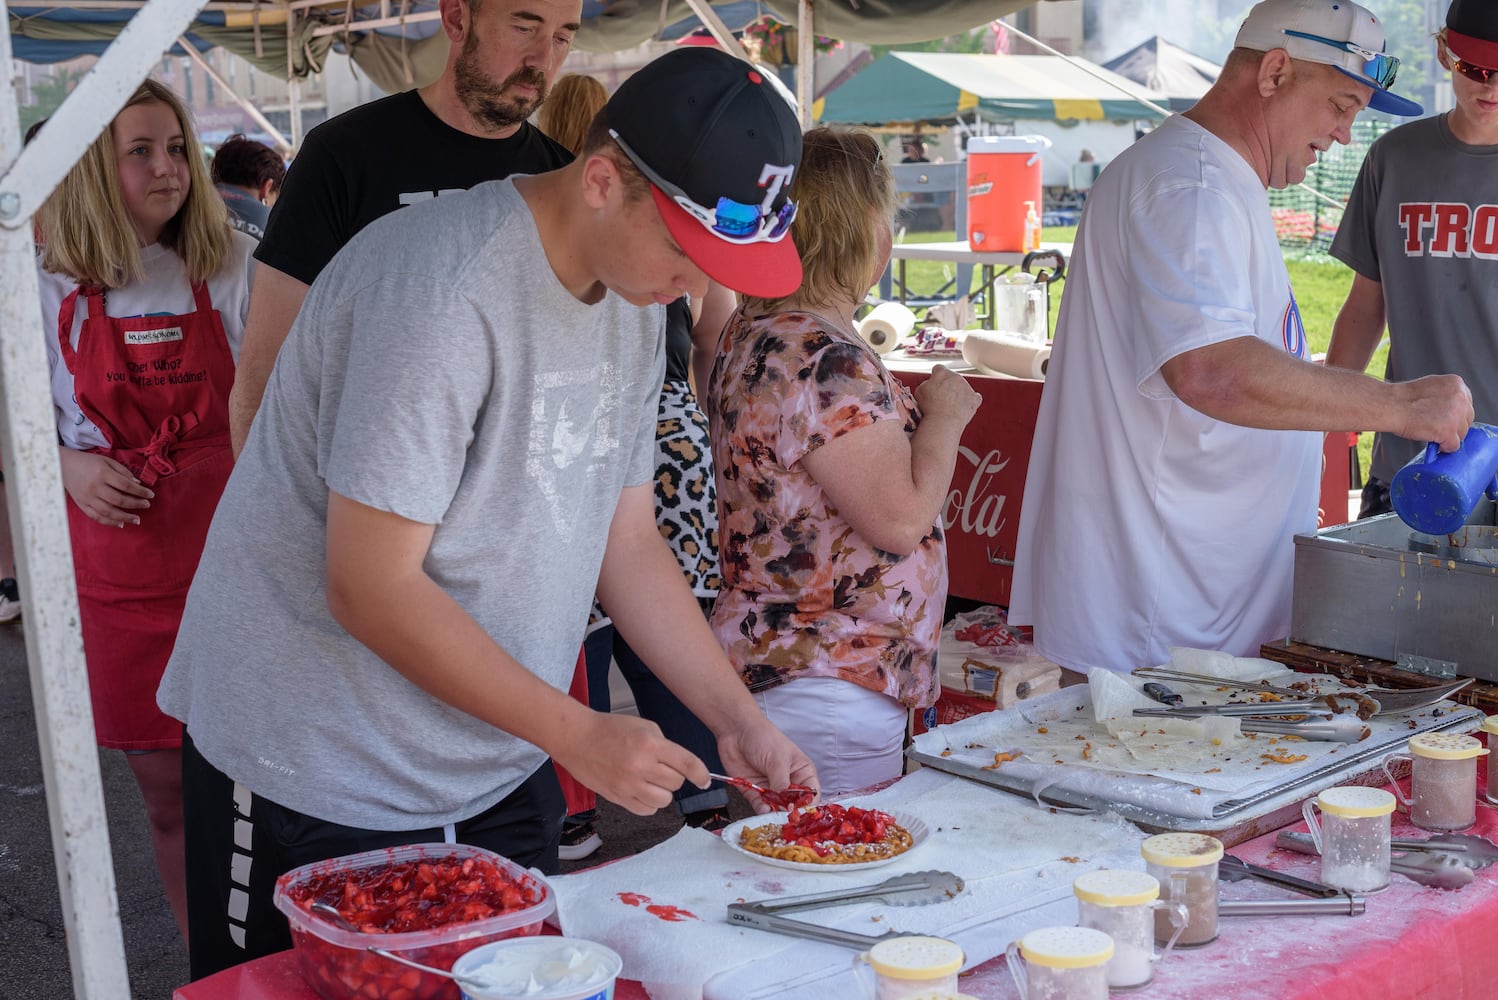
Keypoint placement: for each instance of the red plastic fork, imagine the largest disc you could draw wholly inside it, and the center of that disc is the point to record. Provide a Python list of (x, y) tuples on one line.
[(794, 797)]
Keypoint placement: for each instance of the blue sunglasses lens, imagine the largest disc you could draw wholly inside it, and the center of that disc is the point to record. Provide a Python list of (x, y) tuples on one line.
[(783, 219), (739, 221), (736, 219), (1382, 69)]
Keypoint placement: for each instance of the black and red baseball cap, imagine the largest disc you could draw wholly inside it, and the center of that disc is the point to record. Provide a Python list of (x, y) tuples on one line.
[(719, 145), (1472, 32)]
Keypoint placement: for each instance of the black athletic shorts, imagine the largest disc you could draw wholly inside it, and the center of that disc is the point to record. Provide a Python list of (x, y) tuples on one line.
[(239, 843)]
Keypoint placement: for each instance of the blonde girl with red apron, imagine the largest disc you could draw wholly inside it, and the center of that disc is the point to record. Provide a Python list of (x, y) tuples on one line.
[(158, 389), (141, 397)]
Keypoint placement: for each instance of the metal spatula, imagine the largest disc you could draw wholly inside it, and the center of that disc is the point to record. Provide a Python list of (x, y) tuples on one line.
[(1232, 868)]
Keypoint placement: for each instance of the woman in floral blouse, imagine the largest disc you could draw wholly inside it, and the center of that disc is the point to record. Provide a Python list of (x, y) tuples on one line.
[(830, 479)]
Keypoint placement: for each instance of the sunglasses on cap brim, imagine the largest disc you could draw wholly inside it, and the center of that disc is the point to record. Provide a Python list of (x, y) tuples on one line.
[(729, 220), (1378, 67)]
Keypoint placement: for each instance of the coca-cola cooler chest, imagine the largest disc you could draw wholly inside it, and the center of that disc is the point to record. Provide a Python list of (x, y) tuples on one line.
[(981, 514)]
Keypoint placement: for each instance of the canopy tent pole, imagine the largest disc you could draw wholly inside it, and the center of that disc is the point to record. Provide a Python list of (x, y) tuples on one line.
[(1087, 68), (293, 88), (38, 513), (197, 57), (806, 57), (714, 24)]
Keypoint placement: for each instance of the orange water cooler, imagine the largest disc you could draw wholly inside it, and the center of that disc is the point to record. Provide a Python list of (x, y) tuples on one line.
[(1003, 173)]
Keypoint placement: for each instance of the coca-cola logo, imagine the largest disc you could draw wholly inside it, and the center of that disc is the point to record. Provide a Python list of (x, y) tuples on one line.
[(976, 506)]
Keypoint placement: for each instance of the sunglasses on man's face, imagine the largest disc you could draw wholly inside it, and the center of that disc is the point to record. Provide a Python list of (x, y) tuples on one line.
[(1477, 74)]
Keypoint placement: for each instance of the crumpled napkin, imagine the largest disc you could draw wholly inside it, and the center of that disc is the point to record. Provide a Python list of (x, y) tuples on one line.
[(1018, 863)]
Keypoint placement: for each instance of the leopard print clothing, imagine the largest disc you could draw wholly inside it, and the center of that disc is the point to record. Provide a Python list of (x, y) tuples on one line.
[(686, 500)]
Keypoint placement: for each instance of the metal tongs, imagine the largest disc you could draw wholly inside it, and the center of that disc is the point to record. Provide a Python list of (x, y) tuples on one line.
[(1333, 729), (910, 889), (1384, 701), (1236, 709)]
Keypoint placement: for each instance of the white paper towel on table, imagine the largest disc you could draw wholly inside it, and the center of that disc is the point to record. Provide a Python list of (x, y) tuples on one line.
[(1005, 354), (885, 326), (1007, 851)]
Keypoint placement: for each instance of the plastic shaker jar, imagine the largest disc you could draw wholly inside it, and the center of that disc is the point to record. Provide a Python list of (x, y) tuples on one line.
[(1353, 836), (1061, 963), (910, 968), (1443, 780), (1123, 904), (1186, 865), (1490, 726)]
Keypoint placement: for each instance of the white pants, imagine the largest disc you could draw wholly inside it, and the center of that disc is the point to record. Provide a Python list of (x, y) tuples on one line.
[(855, 737)]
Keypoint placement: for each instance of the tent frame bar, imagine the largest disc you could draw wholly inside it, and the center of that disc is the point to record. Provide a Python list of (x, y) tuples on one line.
[(281, 141), (37, 502)]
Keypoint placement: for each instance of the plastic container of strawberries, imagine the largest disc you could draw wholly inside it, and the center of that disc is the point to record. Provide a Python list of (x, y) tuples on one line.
[(337, 963)]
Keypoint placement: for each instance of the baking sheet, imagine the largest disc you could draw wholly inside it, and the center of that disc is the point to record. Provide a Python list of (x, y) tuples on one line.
[(1161, 775)]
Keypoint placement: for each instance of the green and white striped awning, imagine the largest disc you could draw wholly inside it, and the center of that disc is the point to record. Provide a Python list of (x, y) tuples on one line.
[(940, 87)]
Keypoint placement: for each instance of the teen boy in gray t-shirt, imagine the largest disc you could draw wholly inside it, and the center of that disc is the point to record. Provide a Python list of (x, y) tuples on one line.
[(1421, 233), (456, 446)]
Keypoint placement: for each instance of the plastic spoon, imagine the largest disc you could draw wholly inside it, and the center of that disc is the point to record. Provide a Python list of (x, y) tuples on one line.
[(331, 915)]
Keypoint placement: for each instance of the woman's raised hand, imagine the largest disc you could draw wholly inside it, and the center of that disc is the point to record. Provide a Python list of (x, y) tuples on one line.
[(947, 394)]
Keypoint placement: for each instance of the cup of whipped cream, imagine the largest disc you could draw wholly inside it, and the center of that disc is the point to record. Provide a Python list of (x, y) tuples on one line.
[(540, 968)]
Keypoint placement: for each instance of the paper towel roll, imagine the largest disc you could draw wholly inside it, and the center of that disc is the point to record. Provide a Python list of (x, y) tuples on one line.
[(1005, 354), (884, 327)]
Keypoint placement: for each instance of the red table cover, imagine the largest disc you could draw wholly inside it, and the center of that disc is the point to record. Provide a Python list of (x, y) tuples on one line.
[(1412, 942)]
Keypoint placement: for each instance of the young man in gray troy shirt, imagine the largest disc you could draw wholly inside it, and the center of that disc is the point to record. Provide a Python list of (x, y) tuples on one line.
[(1421, 233), (456, 445)]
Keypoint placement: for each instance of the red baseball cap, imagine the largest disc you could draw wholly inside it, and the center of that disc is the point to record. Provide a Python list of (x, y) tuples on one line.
[(1472, 32)]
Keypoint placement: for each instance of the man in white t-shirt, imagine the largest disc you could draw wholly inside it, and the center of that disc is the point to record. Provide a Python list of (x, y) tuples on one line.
[(1177, 450)]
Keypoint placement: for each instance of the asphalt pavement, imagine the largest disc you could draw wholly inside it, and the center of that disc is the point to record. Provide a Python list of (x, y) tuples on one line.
[(31, 925)]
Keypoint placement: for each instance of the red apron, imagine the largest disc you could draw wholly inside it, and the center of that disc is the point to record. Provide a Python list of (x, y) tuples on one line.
[(158, 387)]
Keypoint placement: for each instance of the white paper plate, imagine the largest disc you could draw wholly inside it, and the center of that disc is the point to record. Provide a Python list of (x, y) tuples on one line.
[(919, 832)]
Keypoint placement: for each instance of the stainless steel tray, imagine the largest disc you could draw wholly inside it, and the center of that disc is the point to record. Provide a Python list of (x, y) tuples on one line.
[(1233, 820), (1378, 588)]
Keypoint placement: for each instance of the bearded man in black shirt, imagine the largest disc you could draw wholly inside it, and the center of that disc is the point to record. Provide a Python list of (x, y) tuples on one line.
[(466, 127)]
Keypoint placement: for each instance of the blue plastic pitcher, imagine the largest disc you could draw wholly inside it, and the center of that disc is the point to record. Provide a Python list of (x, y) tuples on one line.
[(1436, 492)]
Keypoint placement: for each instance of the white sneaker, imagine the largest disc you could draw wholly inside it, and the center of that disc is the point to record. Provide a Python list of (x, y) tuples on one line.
[(579, 841), (10, 602)]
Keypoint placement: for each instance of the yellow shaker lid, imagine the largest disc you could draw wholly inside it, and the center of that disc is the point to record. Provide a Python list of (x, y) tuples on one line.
[(1114, 887), (1355, 802), (1066, 947), (915, 958), (1490, 724), (1181, 850), (1446, 746)]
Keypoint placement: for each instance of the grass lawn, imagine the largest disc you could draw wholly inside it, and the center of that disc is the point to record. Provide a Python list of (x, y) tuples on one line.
[(1320, 285)]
